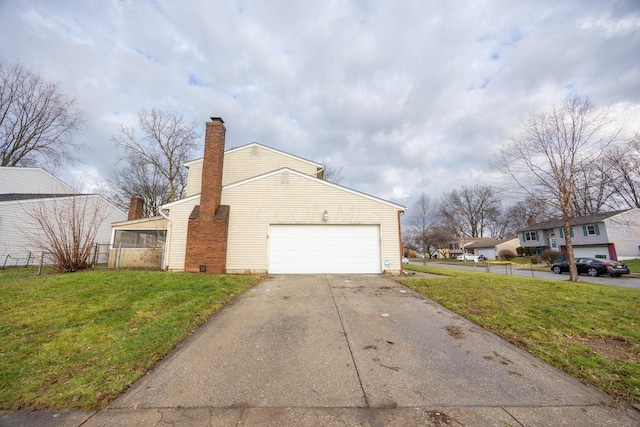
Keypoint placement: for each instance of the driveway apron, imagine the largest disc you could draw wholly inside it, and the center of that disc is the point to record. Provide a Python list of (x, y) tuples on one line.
[(353, 350)]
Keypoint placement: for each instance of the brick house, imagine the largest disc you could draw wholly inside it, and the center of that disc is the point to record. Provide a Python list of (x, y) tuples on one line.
[(255, 209)]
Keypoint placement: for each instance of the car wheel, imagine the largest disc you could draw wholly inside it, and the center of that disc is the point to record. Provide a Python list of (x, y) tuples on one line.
[(556, 269), (592, 272)]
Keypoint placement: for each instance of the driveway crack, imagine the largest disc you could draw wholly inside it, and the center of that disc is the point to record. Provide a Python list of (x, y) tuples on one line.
[(346, 338)]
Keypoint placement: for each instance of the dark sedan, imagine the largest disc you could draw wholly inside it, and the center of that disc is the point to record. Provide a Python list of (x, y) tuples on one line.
[(593, 267)]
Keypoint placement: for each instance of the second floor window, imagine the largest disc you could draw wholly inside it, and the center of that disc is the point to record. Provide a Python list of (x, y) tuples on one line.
[(591, 230), (530, 235)]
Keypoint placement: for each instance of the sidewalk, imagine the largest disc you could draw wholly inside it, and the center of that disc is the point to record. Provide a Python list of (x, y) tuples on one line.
[(341, 351)]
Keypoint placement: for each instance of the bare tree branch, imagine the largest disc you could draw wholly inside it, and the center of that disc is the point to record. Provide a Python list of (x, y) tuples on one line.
[(37, 121), (165, 143)]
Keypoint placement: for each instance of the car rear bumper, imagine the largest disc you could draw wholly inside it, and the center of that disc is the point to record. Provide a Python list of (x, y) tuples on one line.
[(617, 271)]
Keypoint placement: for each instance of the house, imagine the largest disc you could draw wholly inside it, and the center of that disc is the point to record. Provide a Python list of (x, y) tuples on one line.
[(255, 209), (490, 248), (612, 235), (460, 245), (26, 192)]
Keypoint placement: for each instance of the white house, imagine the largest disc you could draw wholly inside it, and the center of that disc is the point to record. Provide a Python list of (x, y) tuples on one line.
[(612, 235), (255, 209), (491, 248), (25, 191)]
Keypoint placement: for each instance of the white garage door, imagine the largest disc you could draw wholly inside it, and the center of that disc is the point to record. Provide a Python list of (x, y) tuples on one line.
[(590, 251), (488, 253), (297, 249)]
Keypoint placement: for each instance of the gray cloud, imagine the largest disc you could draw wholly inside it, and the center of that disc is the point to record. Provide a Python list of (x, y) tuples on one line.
[(409, 96)]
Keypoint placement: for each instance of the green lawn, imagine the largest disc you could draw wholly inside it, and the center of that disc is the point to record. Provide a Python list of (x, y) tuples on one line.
[(590, 331), (78, 340)]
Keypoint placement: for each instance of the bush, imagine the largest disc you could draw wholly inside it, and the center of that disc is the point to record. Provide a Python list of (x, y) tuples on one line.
[(534, 260), (507, 254), (549, 256)]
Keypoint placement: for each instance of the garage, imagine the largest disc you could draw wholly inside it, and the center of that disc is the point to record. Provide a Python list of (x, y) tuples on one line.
[(591, 251), (323, 248)]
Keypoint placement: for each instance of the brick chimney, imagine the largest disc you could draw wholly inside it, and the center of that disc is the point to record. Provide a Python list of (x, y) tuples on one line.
[(531, 220), (209, 222), (136, 208)]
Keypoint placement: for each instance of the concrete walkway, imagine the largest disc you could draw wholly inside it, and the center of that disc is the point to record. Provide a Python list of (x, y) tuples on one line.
[(346, 350)]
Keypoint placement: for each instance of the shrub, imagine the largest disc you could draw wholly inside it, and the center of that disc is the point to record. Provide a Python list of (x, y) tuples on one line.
[(507, 254), (534, 260), (549, 256)]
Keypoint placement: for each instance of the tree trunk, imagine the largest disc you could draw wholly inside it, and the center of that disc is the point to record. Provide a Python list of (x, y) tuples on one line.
[(573, 270)]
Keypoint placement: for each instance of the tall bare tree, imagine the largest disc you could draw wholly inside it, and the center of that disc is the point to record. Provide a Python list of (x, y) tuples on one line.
[(467, 212), (332, 173), (164, 141), (422, 218), (624, 171), (139, 179), (519, 215), (37, 121), (553, 146)]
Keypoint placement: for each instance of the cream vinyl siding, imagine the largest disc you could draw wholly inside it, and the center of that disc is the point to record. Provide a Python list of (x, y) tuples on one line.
[(247, 162), (287, 198), (155, 223), (176, 246), (194, 183)]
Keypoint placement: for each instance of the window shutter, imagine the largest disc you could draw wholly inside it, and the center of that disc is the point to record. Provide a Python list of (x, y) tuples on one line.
[(561, 233), (536, 235), (597, 230), (571, 231), (584, 230), (524, 237)]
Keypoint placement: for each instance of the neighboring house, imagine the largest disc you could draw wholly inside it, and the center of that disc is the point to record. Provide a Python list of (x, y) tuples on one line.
[(490, 249), (611, 235), (23, 191), (254, 209), (461, 245)]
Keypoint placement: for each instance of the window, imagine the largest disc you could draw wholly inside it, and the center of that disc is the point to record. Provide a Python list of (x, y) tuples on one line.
[(139, 238), (530, 235), (591, 230)]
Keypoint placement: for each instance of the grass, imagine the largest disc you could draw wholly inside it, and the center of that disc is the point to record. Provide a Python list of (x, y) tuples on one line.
[(76, 341), (589, 331)]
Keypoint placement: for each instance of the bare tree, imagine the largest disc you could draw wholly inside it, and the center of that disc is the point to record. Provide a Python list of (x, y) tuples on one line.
[(37, 121), (421, 219), (593, 188), (467, 212), (66, 228), (520, 215), (554, 145), (166, 143), (139, 179), (332, 173), (624, 171)]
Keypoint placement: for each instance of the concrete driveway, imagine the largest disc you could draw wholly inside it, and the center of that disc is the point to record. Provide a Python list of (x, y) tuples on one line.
[(352, 350)]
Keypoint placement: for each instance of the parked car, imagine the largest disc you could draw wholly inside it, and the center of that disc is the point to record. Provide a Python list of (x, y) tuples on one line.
[(593, 267), (467, 257), (405, 260)]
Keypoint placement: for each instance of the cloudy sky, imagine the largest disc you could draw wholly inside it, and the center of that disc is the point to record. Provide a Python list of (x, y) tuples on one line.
[(407, 96)]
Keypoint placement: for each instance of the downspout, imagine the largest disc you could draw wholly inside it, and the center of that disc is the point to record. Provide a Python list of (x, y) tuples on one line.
[(167, 244)]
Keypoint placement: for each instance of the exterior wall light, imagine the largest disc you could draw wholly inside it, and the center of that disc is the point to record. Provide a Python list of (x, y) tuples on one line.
[(325, 215)]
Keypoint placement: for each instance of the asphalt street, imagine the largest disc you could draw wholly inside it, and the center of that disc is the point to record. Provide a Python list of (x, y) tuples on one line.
[(517, 270)]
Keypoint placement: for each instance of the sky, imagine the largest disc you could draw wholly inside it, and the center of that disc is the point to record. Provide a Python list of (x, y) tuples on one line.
[(406, 96)]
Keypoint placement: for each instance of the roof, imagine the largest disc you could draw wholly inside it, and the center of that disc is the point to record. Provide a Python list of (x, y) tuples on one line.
[(581, 220), (489, 243)]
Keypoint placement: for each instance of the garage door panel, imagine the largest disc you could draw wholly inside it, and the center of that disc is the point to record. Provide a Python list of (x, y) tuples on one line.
[(324, 249)]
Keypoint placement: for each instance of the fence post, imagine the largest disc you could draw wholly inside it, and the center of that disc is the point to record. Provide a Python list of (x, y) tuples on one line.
[(41, 262), (118, 251), (28, 260)]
